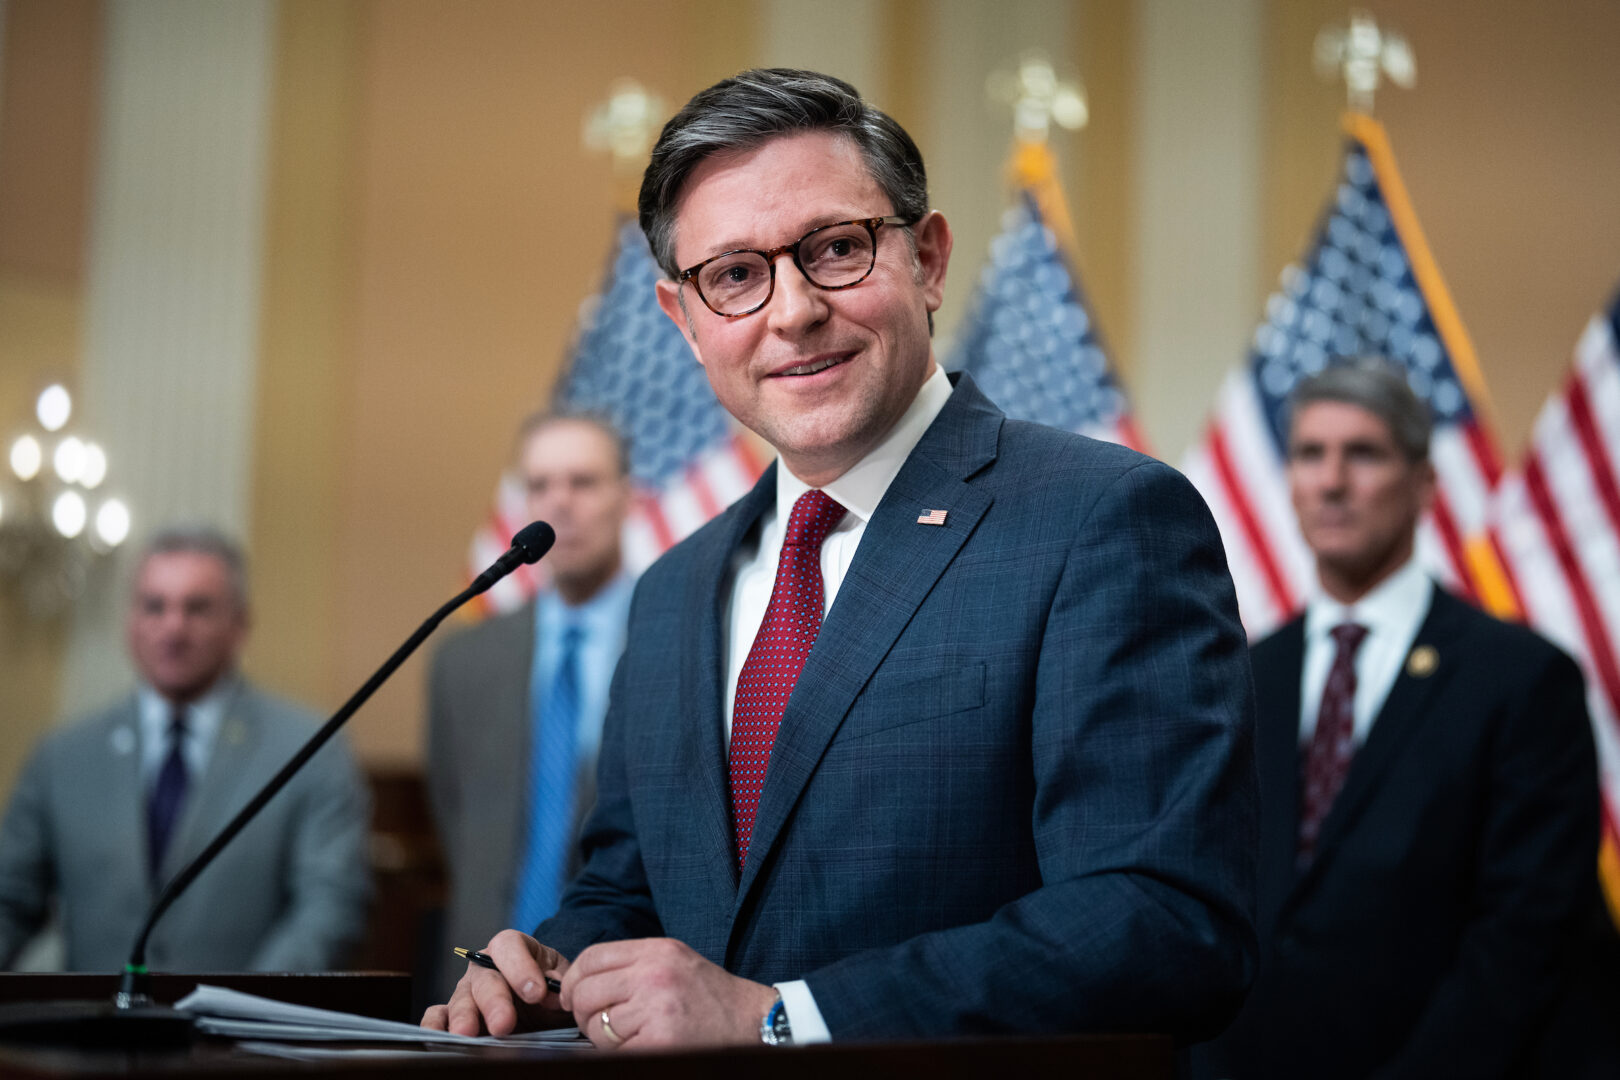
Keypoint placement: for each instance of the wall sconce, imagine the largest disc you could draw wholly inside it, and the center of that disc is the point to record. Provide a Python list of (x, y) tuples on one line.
[(54, 523)]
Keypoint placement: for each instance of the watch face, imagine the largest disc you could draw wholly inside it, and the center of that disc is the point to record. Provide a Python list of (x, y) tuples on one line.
[(774, 1029)]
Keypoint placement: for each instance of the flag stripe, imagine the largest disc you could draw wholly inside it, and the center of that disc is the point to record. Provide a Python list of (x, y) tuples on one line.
[(1237, 499), (1591, 623), (1445, 526), (1596, 454), (1256, 606)]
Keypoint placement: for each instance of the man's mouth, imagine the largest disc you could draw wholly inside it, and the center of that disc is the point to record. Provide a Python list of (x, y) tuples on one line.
[(819, 364)]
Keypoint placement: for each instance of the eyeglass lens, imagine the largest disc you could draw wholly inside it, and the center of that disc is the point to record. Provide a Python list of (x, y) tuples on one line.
[(830, 257)]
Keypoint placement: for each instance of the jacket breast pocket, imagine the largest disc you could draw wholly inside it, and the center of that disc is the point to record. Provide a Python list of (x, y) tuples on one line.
[(911, 693)]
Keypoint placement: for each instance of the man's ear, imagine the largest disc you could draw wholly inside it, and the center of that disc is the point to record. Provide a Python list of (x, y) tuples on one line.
[(669, 299), (934, 240)]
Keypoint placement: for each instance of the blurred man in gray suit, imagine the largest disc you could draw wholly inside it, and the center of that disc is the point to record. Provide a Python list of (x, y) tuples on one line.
[(516, 702), (110, 808)]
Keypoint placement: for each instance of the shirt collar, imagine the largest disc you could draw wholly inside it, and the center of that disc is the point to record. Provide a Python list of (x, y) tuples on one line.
[(1398, 601), (600, 617), (860, 489), (203, 716)]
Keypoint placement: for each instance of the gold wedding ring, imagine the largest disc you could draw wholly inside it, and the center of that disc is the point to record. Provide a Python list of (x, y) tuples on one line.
[(607, 1029)]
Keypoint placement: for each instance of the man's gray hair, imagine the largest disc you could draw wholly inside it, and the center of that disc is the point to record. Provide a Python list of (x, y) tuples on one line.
[(742, 112), (537, 422), (202, 540), (1379, 387)]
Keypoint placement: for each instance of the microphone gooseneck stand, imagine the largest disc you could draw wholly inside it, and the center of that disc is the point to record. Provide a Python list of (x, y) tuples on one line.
[(132, 1019)]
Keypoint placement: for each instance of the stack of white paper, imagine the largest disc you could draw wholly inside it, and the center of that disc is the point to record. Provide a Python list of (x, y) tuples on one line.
[(234, 1014)]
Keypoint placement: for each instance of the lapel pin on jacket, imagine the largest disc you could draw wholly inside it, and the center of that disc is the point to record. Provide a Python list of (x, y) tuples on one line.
[(932, 517), (1422, 661)]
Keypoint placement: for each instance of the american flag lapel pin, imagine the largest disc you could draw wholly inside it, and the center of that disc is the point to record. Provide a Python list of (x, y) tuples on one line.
[(932, 517)]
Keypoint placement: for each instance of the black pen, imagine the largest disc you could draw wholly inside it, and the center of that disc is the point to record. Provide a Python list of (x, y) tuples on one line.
[(483, 961)]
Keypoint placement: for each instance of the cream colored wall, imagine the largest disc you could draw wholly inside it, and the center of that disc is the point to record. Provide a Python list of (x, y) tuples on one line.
[(48, 84), (430, 224)]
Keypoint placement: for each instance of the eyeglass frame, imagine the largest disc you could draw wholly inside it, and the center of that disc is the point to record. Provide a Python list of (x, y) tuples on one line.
[(872, 224)]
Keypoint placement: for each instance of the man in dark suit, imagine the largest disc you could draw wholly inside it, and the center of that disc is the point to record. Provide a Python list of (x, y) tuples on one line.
[(110, 808), (1428, 785), (515, 703), (942, 729)]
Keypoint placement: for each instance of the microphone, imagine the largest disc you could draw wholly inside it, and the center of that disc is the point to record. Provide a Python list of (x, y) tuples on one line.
[(133, 1020), (531, 542)]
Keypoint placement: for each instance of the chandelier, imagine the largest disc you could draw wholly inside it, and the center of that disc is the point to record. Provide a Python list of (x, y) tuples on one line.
[(55, 525)]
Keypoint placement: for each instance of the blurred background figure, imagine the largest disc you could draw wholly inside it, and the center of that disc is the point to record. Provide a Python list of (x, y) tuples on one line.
[(1428, 784), (515, 704), (108, 809)]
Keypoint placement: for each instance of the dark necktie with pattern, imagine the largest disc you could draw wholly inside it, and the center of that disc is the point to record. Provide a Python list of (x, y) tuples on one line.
[(168, 794), (792, 621), (1327, 760)]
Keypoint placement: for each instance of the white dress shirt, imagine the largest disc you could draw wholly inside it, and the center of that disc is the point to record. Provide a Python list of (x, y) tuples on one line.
[(203, 719), (858, 491), (1392, 613)]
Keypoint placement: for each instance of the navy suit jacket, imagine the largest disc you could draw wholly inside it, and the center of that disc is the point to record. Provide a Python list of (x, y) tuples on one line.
[(1433, 930), (1014, 787)]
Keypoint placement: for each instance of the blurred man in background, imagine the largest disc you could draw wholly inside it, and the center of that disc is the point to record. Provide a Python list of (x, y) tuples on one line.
[(516, 702), (110, 808), (1428, 784)]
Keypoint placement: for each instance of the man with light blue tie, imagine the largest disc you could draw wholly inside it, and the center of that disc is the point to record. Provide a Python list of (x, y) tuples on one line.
[(516, 702)]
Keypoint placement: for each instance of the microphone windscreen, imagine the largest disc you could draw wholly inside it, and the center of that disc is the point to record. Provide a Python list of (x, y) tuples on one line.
[(534, 540)]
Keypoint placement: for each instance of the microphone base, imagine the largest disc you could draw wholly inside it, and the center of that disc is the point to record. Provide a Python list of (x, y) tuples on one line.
[(95, 1025)]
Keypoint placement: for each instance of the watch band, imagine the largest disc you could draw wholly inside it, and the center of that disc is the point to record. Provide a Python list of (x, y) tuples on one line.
[(774, 1029)]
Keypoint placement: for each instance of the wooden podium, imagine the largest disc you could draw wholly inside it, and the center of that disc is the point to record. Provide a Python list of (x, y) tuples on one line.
[(385, 995)]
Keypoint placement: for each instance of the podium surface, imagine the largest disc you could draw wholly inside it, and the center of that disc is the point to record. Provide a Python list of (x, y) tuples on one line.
[(384, 995)]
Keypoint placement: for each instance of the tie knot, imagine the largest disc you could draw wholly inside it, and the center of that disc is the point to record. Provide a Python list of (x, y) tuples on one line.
[(177, 722), (1348, 636), (814, 516), (573, 635)]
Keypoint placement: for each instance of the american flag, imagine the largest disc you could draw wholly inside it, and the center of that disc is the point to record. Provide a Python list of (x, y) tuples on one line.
[(1029, 339), (1368, 287), (1559, 516), (630, 364)]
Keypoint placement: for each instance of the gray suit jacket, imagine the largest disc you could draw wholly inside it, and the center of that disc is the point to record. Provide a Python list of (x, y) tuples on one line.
[(289, 894), (478, 771)]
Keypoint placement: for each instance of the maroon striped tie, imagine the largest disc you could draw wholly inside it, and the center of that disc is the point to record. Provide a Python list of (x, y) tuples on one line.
[(1333, 744), (766, 681)]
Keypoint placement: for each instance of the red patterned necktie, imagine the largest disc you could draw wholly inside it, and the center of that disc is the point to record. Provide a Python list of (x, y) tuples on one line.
[(766, 681), (1333, 744)]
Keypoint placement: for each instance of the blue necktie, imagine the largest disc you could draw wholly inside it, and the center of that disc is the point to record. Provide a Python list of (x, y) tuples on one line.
[(163, 809), (551, 790)]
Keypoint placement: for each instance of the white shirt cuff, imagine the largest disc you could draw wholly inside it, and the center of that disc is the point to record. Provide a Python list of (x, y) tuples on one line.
[(802, 1014)]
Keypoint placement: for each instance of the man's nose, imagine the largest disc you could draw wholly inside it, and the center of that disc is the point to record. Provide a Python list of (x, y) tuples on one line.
[(797, 305), (1335, 474)]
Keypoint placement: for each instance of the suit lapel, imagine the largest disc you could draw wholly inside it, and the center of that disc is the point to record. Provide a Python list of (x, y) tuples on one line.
[(895, 567), (116, 780), (1405, 710), (702, 754), (217, 794), (1277, 687), (512, 661)]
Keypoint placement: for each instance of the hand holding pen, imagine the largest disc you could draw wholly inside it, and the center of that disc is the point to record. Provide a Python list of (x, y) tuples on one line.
[(484, 961)]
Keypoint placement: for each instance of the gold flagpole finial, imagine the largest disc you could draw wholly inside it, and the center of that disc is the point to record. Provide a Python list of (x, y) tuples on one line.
[(1038, 98), (1358, 53), (625, 125)]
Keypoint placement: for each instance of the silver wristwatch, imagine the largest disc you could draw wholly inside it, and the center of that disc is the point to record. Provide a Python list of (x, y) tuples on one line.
[(774, 1029)]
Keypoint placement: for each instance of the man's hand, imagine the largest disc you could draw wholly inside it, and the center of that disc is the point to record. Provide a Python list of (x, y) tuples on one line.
[(658, 992), (511, 998)]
